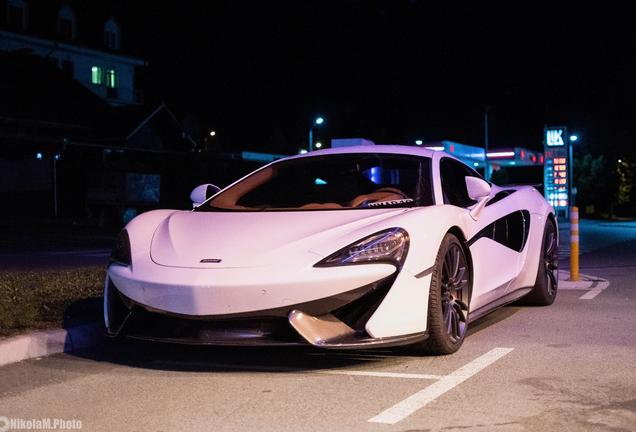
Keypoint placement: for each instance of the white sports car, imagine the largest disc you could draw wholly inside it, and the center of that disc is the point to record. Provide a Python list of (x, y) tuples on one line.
[(355, 247)]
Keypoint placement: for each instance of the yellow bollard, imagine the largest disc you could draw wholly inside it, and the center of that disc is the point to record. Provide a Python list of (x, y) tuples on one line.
[(574, 244)]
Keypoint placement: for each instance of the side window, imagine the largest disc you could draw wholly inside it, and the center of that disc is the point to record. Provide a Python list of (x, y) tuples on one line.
[(454, 174)]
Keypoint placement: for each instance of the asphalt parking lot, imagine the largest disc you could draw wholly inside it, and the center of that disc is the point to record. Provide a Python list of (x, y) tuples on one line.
[(564, 367)]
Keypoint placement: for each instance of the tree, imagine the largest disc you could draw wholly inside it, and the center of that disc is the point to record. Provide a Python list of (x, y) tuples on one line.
[(593, 180), (625, 175)]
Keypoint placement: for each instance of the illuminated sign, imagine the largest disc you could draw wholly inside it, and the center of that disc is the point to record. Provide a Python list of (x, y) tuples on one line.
[(554, 137), (501, 154), (559, 167), (556, 168)]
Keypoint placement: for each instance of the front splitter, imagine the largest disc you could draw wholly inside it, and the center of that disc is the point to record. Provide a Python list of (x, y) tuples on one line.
[(327, 331)]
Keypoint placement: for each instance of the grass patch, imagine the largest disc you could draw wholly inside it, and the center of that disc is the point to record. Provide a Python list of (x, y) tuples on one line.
[(39, 300)]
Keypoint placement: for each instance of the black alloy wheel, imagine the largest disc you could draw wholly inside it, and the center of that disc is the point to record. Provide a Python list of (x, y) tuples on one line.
[(449, 299), (545, 289)]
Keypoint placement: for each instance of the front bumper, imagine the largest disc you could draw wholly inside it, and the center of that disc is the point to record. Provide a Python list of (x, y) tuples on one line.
[(346, 312), (237, 291)]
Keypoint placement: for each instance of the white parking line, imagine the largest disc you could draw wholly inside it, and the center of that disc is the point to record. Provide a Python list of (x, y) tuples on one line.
[(418, 400), (595, 290), (397, 412), (593, 285)]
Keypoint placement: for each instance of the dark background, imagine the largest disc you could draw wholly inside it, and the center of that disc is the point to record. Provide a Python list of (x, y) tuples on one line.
[(260, 72)]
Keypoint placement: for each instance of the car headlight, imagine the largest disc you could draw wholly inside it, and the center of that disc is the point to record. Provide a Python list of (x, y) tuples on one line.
[(389, 246), (121, 251)]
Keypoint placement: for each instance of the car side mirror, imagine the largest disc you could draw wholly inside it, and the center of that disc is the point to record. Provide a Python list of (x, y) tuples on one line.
[(200, 194), (479, 190)]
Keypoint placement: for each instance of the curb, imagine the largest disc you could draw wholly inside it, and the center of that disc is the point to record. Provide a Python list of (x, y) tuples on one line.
[(585, 282), (593, 285), (44, 343)]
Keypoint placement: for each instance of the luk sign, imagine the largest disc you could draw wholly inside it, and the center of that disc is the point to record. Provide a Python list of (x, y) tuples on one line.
[(554, 137), (556, 168)]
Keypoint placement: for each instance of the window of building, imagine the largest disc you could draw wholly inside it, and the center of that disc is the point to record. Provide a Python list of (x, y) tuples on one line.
[(66, 23), (17, 14), (110, 78), (112, 34), (96, 75), (111, 82)]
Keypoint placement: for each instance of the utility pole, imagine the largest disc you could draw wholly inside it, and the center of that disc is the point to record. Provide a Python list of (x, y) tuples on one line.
[(487, 169)]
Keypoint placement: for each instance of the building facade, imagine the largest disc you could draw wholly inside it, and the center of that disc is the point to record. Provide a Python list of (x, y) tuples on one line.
[(86, 45)]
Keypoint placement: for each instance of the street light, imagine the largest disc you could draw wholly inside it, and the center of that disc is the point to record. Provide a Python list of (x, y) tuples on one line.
[(207, 141), (318, 121), (573, 190), (487, 165)]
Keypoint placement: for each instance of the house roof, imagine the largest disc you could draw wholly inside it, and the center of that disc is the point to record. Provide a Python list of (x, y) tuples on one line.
[(33, 88), (130, 124), (91, 16)]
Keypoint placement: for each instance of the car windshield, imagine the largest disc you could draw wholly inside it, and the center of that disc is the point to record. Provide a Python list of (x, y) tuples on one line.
[(331, 182)]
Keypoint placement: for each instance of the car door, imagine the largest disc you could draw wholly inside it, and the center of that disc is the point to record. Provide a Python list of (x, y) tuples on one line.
[(495, 263)]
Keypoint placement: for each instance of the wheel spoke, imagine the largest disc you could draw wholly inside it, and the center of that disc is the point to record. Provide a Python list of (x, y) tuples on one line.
[(448, 312), (457, 279), (454, 269), (455, 263), (454, 318), (454, 312), (550, 244), (455, 332), (552, 280), (451, 266), (462, 306), (459, 319)]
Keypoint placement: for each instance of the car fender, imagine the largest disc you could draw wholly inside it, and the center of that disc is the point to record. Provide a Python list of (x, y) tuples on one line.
[(405, 308), (530, 263), (140, 231)]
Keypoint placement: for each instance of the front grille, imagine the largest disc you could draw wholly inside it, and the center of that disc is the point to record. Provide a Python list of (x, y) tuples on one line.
[(254, 331)]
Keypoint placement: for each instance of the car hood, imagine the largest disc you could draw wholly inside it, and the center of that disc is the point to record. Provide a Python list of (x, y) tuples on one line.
[(235, 240)]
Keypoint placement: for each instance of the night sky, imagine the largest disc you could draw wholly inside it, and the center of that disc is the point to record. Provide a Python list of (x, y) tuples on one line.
[(259, 72)]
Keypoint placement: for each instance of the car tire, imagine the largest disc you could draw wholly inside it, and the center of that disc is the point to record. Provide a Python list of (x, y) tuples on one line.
[(545, 288), (449, 299)]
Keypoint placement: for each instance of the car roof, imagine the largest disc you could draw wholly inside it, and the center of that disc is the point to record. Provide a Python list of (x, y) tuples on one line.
[(378, 148)]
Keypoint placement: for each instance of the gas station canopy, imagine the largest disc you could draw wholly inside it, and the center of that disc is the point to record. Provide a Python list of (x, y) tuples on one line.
[(476, 156)]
